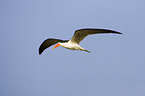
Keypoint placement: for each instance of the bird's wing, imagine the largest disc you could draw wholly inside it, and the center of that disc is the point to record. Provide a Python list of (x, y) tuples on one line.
[(47, 43), (82, 33)]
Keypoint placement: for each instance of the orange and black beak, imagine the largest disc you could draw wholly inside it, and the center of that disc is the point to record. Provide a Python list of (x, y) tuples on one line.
[(57, 45)]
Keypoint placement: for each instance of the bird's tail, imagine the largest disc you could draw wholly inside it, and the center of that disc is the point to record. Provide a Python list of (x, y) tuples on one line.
[(87, 51)]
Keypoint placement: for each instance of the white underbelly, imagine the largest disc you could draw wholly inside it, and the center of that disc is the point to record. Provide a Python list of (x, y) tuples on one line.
[(72, 46)]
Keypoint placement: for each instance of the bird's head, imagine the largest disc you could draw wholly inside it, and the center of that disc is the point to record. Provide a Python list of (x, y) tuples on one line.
[(57, 45)]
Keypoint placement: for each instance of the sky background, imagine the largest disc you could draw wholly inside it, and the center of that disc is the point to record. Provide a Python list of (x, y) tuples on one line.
[(115, 66)]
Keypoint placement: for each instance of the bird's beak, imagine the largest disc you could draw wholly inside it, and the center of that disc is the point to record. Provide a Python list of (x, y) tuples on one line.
[(57, 45)]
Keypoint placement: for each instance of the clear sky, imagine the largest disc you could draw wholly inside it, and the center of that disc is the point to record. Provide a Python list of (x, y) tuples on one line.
[(115, 66)]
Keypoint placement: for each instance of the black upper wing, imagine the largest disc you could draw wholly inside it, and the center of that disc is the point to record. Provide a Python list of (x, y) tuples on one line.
[(47, 43), (82, 33)]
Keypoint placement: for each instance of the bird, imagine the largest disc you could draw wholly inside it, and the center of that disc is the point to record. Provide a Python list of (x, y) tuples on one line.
[(73, 43)]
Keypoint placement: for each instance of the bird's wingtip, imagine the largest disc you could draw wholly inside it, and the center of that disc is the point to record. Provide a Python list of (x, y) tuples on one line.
[(120, 33), (40, 51)]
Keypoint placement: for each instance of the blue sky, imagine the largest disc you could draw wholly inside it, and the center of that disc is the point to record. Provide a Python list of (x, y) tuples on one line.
[(115, 66)]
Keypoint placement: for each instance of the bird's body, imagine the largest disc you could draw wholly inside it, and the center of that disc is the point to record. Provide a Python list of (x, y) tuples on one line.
[(73, 43), (72, 46)]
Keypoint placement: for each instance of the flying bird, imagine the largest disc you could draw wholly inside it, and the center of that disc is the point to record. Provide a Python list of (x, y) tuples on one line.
[(73, 43)]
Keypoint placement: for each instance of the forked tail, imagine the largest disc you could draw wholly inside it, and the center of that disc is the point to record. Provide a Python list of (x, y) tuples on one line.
[(86, 51)]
